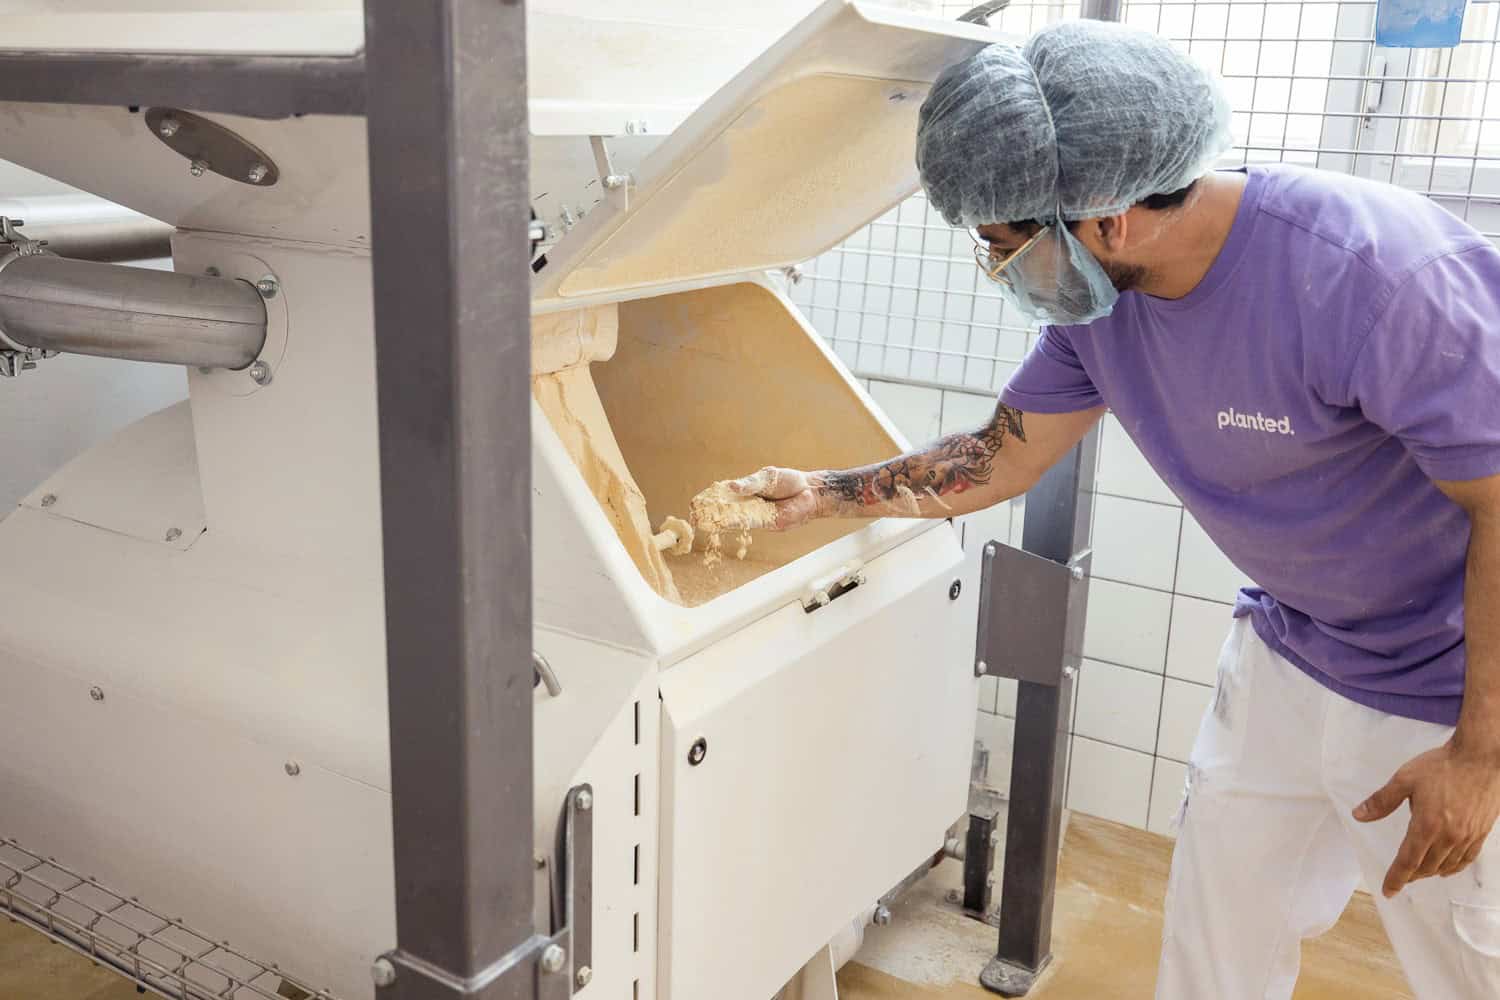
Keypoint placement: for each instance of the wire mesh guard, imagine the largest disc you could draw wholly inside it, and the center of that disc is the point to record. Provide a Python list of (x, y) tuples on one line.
[(901, 300), (159, 953)]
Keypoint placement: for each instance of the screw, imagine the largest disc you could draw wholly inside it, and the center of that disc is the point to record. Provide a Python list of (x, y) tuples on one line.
[(49, 499), (96, 693), (383, 972), (1070, 671), (1076, 572), (980, 668), (954, 897), (698, 752), (257, 173), (584, 800), (260, 373), (553, 958), (956, 589), (293, 768), (882, 916), (268, 286), (614, 182), (168, 127), (539, 861), (173, 534), (197, 167), (585, 976), (989, 549)]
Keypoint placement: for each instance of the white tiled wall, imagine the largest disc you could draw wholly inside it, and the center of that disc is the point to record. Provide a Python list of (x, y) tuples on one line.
[(1159, 609)]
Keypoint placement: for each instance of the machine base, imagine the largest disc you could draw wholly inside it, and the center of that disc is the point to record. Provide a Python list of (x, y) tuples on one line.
[(1009, 979)]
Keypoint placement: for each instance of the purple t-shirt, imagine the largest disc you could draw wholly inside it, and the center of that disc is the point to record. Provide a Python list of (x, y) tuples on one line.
[(1341, 354)]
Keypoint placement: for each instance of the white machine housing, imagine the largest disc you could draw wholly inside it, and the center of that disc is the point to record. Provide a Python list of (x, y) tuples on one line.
[(214, 572)]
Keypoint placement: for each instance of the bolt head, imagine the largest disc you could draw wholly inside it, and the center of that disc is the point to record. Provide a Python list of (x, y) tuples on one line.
[(169, 127), (1076, 572), (698, 751), (882, 916), (96, 693), (1070, 671), (268, 287), (584, 800), (981, 668), (260, 373), (989, 549), (257, 173), (585, 976), (293, 768), (383, 972), (49, 499), (553, 958), (197, 167), (954, 896)]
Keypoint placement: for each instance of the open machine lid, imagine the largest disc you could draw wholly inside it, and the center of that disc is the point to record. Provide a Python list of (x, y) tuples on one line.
[(804, 146)]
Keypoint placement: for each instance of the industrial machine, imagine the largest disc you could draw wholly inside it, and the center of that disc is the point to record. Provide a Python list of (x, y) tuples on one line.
[(736, 759)]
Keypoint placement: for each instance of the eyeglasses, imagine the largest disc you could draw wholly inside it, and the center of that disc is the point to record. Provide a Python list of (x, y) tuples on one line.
[(992, 264)]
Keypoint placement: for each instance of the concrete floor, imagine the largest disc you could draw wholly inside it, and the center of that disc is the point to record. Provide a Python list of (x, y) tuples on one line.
[(1106, 937)]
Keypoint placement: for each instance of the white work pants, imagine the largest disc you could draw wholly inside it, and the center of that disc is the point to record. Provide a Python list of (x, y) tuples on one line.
[(1268, 853)]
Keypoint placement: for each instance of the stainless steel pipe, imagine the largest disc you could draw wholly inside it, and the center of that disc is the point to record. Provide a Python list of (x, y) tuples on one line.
[(82, 227), (113, 311)]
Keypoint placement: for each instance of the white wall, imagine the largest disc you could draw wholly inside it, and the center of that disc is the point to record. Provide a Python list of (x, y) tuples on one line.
[(51, 414)]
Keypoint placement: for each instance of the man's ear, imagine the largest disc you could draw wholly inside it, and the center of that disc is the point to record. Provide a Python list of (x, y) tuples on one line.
[(1114, 231)]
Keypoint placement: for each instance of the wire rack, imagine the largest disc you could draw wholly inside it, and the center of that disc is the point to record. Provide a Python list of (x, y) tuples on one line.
[(902, 301), (160, 954)]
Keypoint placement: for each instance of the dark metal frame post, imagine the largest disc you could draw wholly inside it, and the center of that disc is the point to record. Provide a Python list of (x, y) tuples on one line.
[(446, 109)]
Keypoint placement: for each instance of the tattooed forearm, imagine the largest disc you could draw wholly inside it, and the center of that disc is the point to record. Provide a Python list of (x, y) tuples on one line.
[(952, 465)]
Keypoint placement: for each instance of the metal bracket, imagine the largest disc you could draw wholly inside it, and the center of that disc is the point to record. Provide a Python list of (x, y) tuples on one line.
[(17, 358), (979, 863), (543, 967), (616, 185), (210, 147), (1033, 631)]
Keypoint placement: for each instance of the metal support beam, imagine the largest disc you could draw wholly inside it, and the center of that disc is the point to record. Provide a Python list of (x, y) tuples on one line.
[(446, 110), (1032, 616), (258, 86)]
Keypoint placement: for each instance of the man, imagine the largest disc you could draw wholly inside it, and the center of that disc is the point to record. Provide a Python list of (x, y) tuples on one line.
[(1312, 363)]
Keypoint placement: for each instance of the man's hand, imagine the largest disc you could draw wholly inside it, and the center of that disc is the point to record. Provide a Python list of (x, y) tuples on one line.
[(1455, 801), (792, 491)]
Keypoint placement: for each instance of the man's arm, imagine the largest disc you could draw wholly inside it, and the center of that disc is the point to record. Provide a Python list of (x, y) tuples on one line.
[(1455, 789), (957, 474)]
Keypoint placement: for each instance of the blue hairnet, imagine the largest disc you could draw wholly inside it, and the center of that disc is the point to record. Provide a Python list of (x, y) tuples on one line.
[(1088, 118)]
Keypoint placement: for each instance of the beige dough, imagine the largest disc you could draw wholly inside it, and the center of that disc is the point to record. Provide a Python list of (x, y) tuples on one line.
[(716, 511)]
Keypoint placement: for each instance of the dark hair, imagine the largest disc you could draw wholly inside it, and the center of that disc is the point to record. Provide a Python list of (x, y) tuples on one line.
[(1162, 202)]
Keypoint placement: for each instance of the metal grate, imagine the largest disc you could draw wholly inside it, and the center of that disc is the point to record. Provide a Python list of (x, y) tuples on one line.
[(902, 301), (160, 954)]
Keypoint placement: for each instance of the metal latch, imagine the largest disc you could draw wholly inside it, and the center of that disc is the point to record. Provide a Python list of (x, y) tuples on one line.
[(825, 590)]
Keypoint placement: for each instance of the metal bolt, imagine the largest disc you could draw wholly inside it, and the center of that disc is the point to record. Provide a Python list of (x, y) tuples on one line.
[(882, 916), (585, 800), (268, 286), (698, 752), (260, 373), (293, 768), (257, 173), (173, 534), (980, 668), (96, 693), (49, 499), (989, 549), (553, 958), (383, 972), (197, 167), (1076, 572), (168, 127), (954, 896), (955, 589), (539, 861), (614, 182), (1070, 671), (585, 976)]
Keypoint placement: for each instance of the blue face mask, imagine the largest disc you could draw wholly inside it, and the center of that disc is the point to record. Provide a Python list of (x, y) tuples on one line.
[(1054, 279)]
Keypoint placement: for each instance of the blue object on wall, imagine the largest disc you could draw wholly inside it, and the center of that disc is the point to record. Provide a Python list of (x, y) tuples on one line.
[(1419, 24)]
